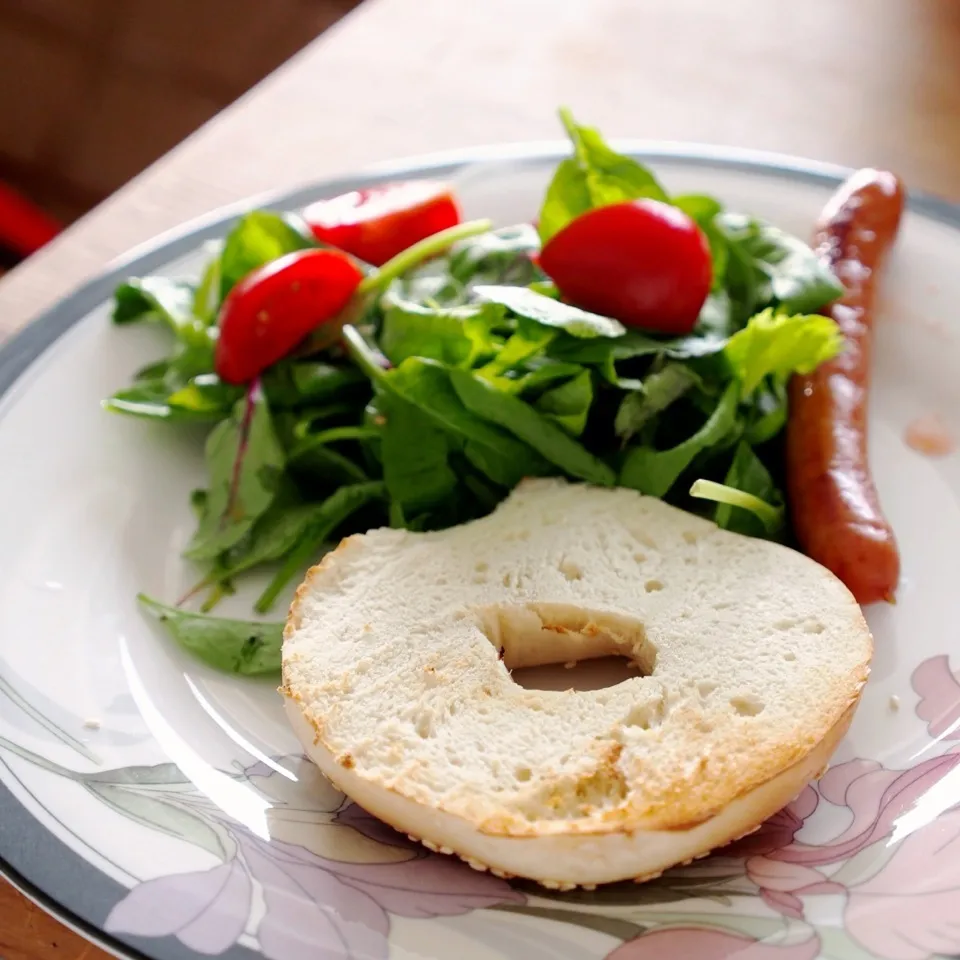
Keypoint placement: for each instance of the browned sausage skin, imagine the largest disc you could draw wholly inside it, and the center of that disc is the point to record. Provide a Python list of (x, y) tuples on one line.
[(833, 502)]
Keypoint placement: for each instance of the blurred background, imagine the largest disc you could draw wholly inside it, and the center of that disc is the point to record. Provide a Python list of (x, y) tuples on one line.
[(93, 91)]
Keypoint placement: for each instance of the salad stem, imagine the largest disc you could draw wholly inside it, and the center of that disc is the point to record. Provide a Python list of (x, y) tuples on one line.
[(770, 516), (370, 360), (424, 249)]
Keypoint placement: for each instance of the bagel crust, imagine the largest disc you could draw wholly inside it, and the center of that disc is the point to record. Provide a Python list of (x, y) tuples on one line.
[(397, 664)]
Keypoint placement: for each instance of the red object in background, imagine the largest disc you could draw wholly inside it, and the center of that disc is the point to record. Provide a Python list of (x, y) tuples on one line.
[(377, 224), (643, 262), (273, 308), (24, 228)]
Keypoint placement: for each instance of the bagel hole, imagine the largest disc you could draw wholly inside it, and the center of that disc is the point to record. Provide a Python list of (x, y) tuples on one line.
[(556, 646), (789, 656), (522, 774), (571, 570), (595, 674), (653, 586)]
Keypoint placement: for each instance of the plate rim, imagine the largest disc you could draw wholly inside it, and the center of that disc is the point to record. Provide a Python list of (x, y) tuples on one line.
[(27, 345)]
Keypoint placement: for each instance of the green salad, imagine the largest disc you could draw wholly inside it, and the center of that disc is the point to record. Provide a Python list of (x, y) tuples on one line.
[(624, 337)]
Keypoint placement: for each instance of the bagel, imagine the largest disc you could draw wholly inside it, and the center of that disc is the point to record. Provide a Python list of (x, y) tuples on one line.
[(397, 661)]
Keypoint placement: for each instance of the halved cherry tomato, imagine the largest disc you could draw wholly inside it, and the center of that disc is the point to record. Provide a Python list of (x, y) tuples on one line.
[(643, 262), (379, 223), (274, 307)]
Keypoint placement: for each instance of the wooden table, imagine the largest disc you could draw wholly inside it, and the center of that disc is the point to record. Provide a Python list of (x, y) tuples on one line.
[(856, 82)]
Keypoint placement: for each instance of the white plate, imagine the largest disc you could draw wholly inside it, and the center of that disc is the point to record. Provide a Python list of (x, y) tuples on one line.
[(187, 824)]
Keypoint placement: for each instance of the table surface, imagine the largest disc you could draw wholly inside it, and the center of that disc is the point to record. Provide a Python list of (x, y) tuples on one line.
[(861, 82)]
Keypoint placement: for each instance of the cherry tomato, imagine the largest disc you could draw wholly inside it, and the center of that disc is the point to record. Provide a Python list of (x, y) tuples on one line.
[(379, 223), (643, 262), (275, 306)]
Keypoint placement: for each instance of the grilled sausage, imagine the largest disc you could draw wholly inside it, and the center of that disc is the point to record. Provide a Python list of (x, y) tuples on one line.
[(833, 502)]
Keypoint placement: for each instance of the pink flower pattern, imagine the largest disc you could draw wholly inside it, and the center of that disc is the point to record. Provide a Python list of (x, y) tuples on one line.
[(709, 943), (908, 909)]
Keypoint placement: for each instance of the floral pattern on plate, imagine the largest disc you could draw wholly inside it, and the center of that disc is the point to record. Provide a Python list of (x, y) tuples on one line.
[(328, 877)]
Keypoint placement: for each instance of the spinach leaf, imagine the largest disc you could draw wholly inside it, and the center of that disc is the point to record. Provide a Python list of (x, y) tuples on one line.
[(551, 313), (427, 385), (542, 373), (703, 210), (453, 335), (234, 646), (660, 389), (206, 395), (777, 345), (245, 463), (767, 412), (333, 512), (295, 384), (314, 459), (542, 434), (654, 472), (569, 403), (633, 344), (206, 298), (258, 238), (748, 501), (271, 538), (171, 303), (498, 257), (698, 207), (154, 298), (528, 342), (150, 400), (415, 453), (595, 176), (769, 265)]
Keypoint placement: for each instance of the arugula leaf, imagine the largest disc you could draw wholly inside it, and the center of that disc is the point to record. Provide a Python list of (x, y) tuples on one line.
[(654, 472), (551, 313), (415, 453), (569, 403), (522, 420), (427, 385), (331, 513), (258, 238), (777, 345), (245, 463), (234, 646), (748, 501), (660, 389), (595, 176), (769, 265)]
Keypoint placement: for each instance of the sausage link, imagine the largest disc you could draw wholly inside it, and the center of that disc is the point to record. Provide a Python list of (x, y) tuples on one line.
[(833, 502)]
